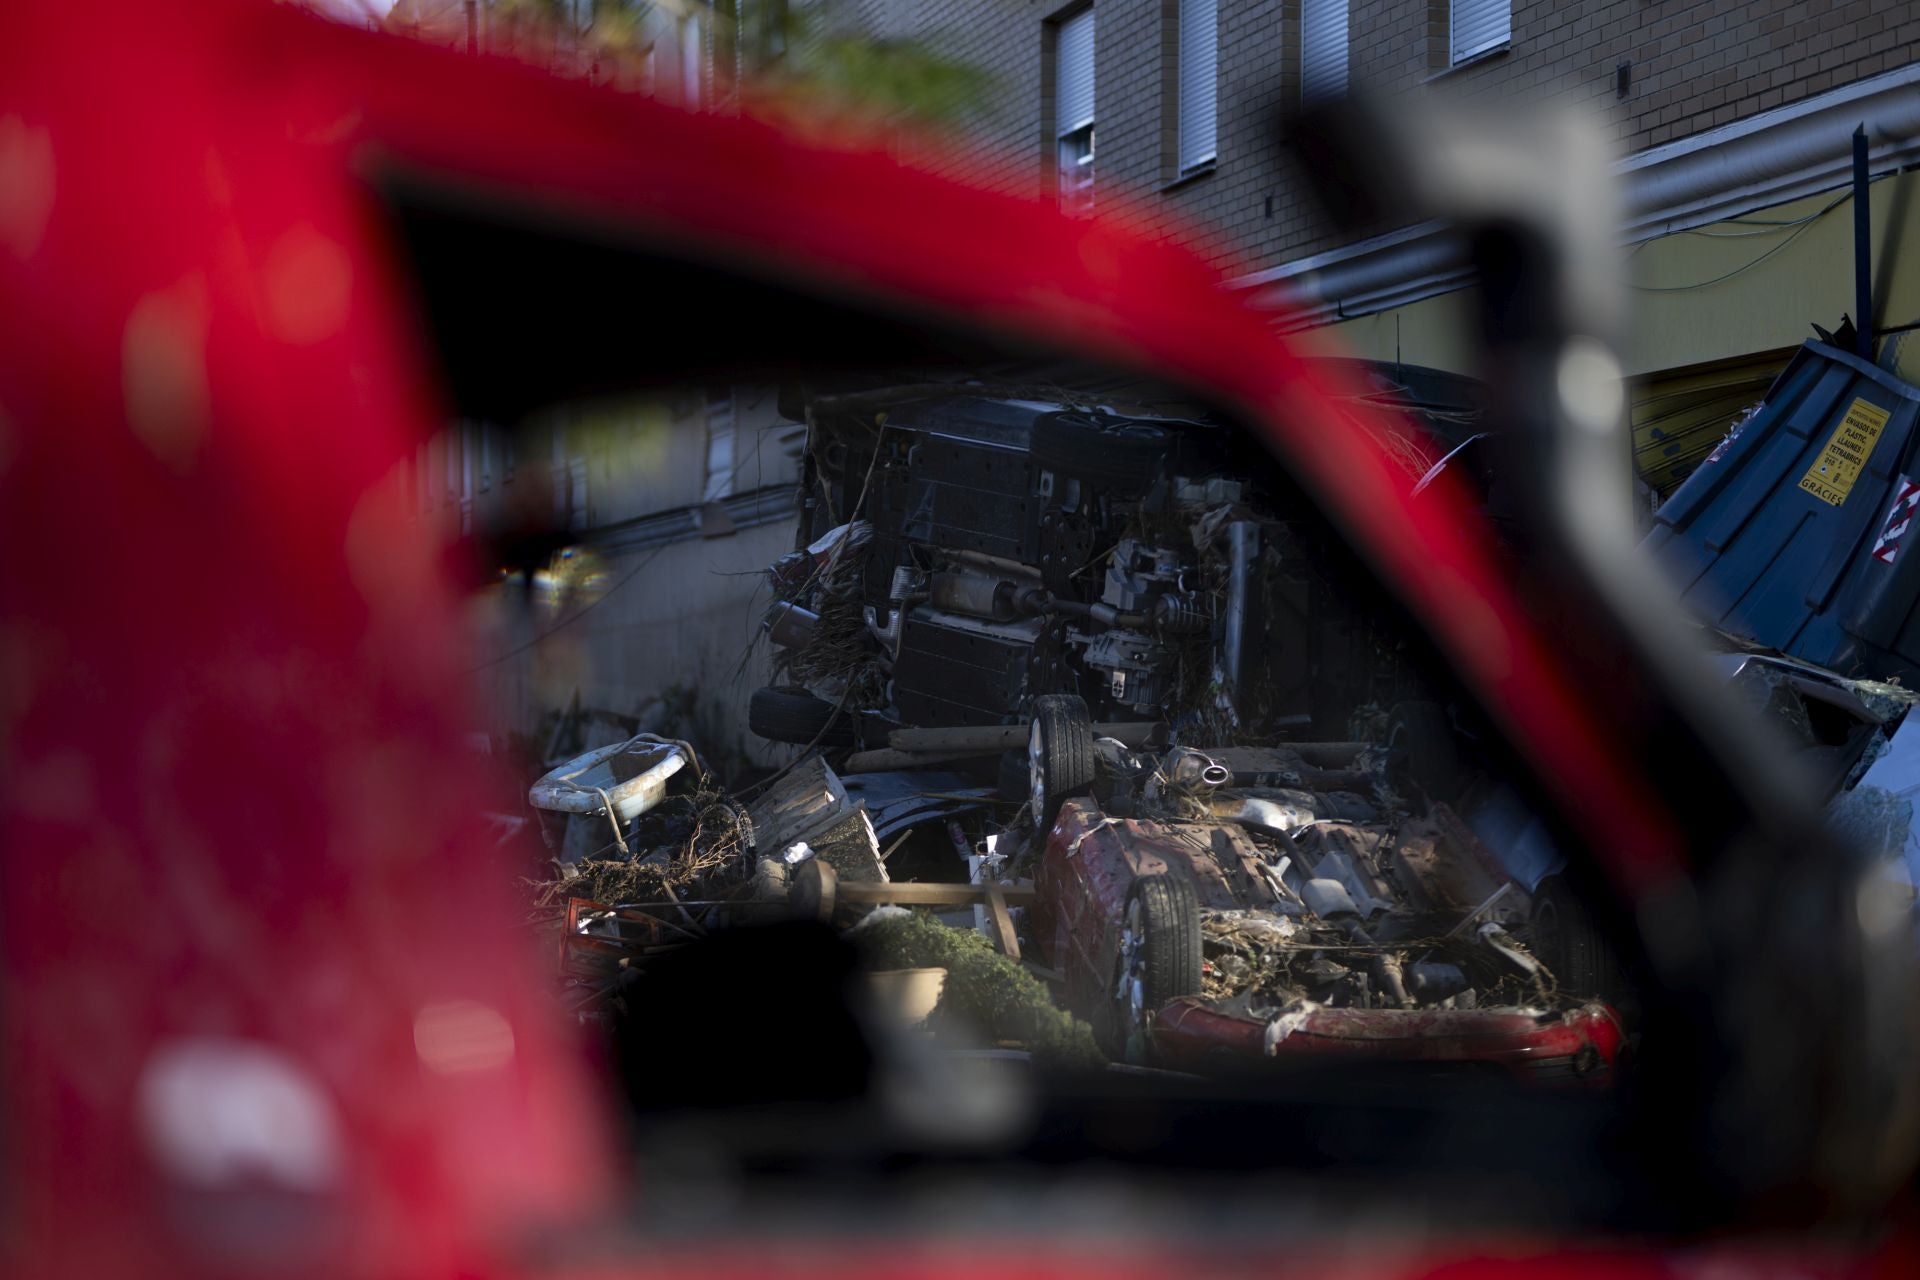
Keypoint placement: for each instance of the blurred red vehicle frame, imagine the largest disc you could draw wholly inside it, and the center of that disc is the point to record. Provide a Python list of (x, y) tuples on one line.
[(227, 661)]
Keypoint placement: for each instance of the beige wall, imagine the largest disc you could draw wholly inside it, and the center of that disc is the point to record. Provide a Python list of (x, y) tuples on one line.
[(1806, 277), (688, 617), (1694, 65), (1772, 303), (681, 614), (1436, 332), (649, 454)]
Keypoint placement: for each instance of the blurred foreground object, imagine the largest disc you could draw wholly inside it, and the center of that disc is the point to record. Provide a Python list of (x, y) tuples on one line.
[(1782, 898), (244, 280)]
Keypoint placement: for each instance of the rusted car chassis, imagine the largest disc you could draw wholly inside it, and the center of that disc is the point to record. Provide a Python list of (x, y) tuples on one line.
[(1284, 968)]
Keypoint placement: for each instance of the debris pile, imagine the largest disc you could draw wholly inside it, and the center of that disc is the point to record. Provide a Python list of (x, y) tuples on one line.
[(819, 622), (692, 845), (970, 554), (1096, 761), (694, 861)]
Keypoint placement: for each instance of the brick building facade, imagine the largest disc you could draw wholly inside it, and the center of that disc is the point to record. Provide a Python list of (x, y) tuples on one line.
[(1732, 120), (1689, 67)]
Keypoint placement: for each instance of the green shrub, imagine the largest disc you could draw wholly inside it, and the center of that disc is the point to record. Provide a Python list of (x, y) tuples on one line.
[(986, 993)]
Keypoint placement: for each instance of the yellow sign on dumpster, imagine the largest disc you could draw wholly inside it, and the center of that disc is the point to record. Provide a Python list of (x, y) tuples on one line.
[(1840, 463)]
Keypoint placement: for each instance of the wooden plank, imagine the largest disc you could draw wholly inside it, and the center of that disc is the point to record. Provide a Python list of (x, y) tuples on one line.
[(1005, 737), (985, 737), (932, 895), (1003, 934)]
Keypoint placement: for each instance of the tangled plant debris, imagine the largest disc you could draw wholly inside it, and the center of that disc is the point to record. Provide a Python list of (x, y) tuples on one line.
[(692, 846)]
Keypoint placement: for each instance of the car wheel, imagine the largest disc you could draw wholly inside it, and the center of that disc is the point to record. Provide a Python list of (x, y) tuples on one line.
[(1421, 750), (794, 715), (1117, 453), (1059, 754), (1159, 959)]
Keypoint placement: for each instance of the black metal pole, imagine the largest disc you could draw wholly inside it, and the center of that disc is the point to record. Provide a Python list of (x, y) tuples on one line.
[(1862, 250)]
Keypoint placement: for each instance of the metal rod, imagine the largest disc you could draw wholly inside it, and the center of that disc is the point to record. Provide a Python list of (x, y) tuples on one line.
[(1862, 250)]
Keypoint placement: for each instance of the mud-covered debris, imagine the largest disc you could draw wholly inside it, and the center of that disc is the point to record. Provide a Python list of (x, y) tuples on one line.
[(811, 804), (834, 652)]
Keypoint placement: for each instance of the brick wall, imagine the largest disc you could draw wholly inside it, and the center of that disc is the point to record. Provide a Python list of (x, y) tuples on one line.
[(1694, 66)]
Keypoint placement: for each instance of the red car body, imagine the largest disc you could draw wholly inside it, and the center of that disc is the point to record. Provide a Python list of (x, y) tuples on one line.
[(1091, 862), (228, 662)]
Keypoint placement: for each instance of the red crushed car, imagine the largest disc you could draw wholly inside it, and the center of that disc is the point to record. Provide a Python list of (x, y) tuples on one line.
[(1212, 918)]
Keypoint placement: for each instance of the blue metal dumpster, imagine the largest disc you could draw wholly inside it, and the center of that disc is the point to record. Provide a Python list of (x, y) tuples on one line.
[(1799, 532)]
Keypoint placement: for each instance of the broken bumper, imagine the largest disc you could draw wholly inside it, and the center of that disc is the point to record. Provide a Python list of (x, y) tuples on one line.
[(1579, 1048)]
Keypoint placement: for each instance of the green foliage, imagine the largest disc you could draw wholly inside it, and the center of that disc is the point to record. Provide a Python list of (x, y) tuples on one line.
[(905, 79), (986, 993), (771, 43)]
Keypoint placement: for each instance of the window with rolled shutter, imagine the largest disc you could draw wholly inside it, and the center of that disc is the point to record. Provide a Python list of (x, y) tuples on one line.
[(1199, 72), (1480, 25), (1073, 109), (1323, 49), (1073, 78), (693, 61)]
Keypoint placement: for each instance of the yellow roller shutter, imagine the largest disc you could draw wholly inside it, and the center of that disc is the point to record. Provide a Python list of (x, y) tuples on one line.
[(1680, 415)]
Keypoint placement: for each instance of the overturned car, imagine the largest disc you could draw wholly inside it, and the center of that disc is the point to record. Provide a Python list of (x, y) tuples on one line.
[(1250, 836), (1215, 908), (965, 549)]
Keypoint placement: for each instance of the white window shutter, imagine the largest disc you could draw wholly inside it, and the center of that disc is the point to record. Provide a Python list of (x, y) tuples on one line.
[(1073, 74), (1323, 49), (721, 438), (1199, 81), (1480, 25), (693, 62)]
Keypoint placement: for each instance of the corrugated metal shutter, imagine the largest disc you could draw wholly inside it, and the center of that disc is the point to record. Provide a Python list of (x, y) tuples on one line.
[(1794, 537), (1323, 49), (1480, 25), (1680, 416), (1073, 74), (1199, 68)]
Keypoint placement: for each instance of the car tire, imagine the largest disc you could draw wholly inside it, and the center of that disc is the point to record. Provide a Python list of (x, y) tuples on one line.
[(1159, 960), (1113, 453), (1059, 754), (1422, 751), (794, 715)]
